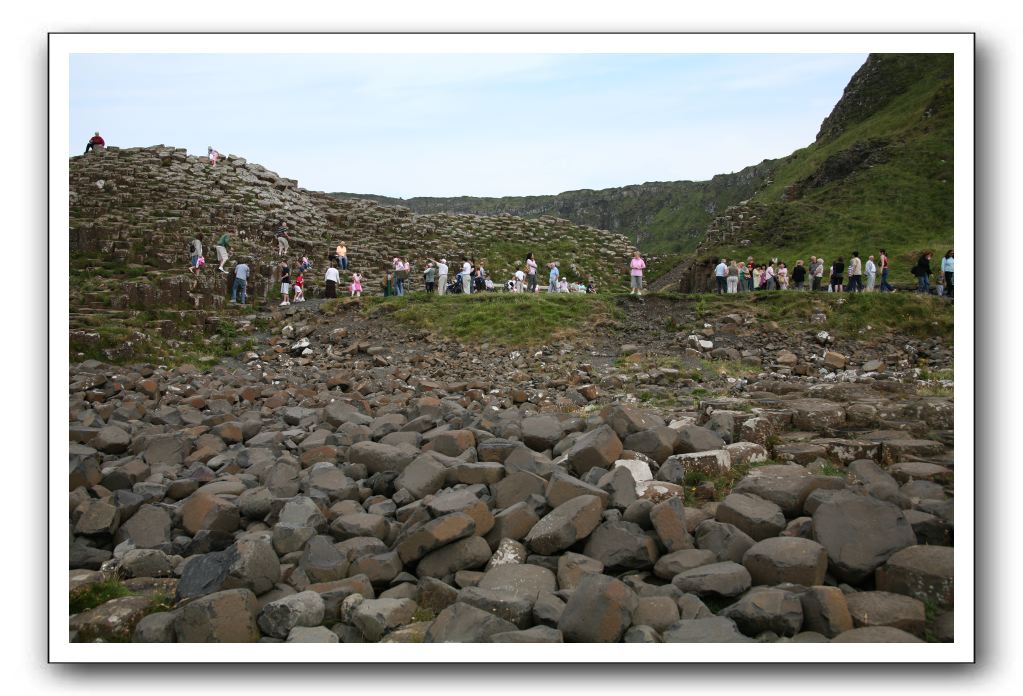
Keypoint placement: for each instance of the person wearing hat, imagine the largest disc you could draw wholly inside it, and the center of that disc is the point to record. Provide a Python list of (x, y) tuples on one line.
[(95, 140), (442, 275)]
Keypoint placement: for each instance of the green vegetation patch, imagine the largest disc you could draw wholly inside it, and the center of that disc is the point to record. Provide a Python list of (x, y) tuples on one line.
[(91, 596), (502, 319)]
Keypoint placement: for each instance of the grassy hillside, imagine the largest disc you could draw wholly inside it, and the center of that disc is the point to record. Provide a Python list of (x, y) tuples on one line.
[(874, 178), (659, 217)]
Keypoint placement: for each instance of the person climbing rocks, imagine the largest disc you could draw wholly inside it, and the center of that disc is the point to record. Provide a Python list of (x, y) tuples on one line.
[(194, 252), (213, 155), (299, 286), (221, 247), (285, 274), (282, 238), (95, 140), (241, 279)]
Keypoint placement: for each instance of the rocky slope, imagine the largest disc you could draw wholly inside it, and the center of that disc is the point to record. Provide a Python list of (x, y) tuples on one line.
[(351, 479), (664, 217)]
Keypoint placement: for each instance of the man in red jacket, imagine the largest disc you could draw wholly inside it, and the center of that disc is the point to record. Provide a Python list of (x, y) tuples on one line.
[(93, 142)]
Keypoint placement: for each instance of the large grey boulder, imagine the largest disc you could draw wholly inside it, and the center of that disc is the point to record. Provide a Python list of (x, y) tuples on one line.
[(433, 535), (621, 546), (825, 611), (462, 623), (714, 629), (923, 572), (859, 535), (377, 617), (597, 448), (565, 525), (766, 609), (599, 611), (301, 609), (695, 438), (887, 609), (222, 617), (786, 559), (725, 579), (726, 540), (759, 518)]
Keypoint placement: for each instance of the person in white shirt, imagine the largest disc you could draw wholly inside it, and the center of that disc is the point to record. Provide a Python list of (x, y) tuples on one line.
[(948, 269), (333, 279), (871, 273), (720, 273), (466, 276), (520, 277), (442, 276)]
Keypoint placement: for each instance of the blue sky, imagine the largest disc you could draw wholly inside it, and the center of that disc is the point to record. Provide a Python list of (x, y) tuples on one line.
[(463, 124)]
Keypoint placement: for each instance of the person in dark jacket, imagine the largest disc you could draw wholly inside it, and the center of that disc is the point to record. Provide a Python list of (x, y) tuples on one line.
[(799, 274), (922, 271)]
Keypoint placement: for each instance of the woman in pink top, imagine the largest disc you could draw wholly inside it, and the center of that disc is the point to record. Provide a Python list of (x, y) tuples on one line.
[(636, 273)]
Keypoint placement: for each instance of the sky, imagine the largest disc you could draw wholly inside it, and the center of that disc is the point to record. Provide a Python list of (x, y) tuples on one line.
[(407, 125)]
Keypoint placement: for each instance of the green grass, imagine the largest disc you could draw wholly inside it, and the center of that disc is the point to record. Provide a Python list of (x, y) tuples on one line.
[(91, 596), (500, 318), (849, 315)]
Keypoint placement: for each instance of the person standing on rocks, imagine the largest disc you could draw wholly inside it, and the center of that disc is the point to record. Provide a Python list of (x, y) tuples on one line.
[(285, 275), (399, 276), (357, 285), (885, 287), (799, 275), (442, 276), (530, 273), (636, 267), (221, 247), (332, 279), (922, 271), (299, 286), (948, 270), (282, 239), (213, 155), (241, 279), (856, 273), (837, 268), (428, 276), (871, 269), (95, 140), (552, 277), (194, 252)]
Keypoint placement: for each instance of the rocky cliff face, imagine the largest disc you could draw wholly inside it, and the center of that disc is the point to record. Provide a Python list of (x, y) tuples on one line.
[(133, 212)]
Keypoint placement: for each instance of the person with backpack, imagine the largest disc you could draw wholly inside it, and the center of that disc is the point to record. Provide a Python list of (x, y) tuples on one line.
[(221, 247), (194, 252), (282, 238), (922, 271)]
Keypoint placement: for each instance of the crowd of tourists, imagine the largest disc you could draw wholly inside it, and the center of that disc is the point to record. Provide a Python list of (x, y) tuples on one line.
[(856, 275)]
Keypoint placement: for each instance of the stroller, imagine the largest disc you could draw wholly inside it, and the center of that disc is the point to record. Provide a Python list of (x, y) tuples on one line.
[(455, 286)]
